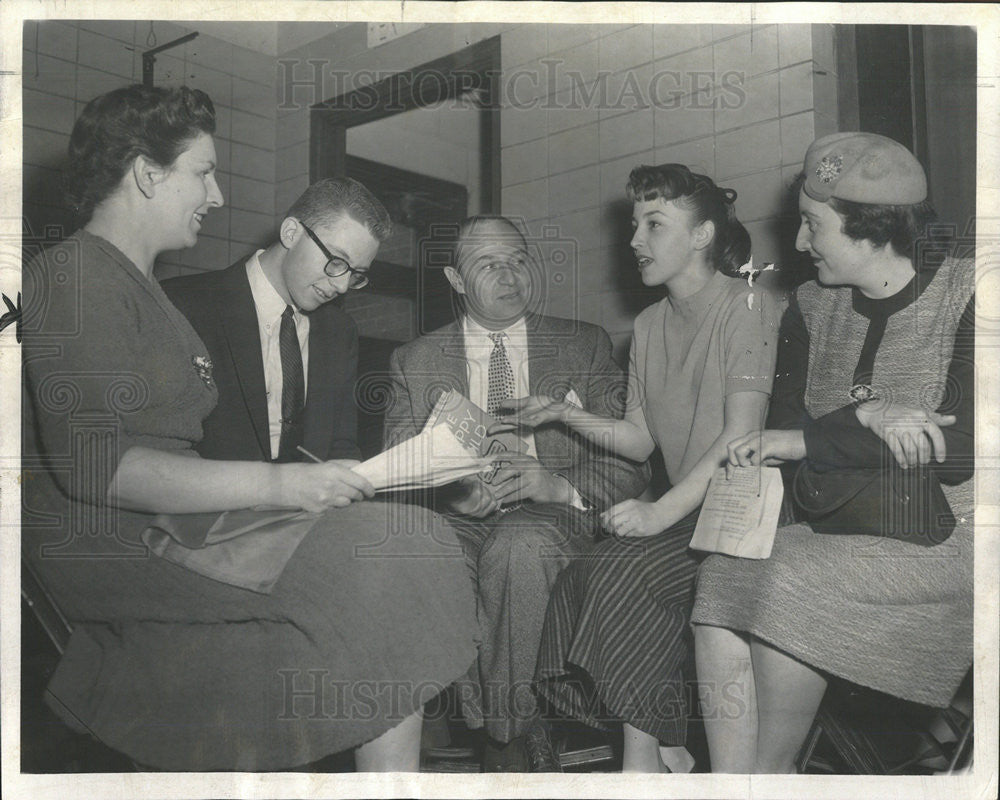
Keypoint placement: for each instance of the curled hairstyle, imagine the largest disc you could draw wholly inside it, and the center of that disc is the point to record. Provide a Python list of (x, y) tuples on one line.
[(328, 198), (116, 127), (731, 246), (898, 226)]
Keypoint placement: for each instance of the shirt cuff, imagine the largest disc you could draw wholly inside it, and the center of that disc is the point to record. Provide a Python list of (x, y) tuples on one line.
[(576, 501)]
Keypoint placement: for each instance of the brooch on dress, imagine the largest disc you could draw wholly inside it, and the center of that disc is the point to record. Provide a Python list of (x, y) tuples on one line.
[(829, 168), (862, 393), (203, 366)]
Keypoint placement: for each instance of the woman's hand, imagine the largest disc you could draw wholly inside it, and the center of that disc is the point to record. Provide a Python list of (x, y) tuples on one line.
[(317, 487), (635, 518), (529, 412), (767, 447), (912, 434)]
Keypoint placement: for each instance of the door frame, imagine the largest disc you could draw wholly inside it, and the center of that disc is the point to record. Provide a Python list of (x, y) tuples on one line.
[(474, 67)]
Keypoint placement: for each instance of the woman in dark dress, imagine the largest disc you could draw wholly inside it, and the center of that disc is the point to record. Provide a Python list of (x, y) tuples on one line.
[(875, 366), (174, 669)]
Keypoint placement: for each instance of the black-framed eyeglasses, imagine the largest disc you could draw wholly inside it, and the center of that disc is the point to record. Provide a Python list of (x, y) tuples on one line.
[(336, 266)]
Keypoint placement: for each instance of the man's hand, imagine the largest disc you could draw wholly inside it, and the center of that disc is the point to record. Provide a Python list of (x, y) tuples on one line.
[(912, 434), (473, 498), (317, 487), (523, 478)]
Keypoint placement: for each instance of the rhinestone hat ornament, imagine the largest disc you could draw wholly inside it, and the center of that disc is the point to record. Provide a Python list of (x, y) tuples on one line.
[(828, 169)]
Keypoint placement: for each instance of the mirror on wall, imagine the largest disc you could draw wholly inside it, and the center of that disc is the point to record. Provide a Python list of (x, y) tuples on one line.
[(425, 165)]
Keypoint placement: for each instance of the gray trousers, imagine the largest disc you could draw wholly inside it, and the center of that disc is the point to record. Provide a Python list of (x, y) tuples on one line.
[(514, 559)]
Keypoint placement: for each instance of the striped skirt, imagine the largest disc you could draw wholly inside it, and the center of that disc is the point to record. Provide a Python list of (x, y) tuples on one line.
[(616, 642)]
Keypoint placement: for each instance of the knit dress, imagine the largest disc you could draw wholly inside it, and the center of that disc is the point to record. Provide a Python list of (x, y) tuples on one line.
[(372, 615), (883, 613), (616, 638)]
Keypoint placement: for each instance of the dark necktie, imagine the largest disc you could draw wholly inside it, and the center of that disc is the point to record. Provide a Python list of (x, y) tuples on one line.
[(500, 375), (293, 388)]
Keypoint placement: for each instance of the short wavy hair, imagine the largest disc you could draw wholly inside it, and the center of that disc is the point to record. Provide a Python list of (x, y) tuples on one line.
[(328, 198), (900, 227), (114, 128)]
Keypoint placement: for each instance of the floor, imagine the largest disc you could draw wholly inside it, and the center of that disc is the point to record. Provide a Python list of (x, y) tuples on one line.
[(896, 731), (48, 746)]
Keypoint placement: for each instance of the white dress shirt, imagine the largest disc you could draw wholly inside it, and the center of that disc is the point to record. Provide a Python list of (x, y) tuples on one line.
[(478, 347), (270, 307)]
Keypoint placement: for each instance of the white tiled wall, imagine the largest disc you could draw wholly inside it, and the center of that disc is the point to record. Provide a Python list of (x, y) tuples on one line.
[(68, 63), (660, 82), (562, 166)]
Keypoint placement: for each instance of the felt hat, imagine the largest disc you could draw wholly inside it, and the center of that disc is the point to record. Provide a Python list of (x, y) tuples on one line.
[(863, 168)]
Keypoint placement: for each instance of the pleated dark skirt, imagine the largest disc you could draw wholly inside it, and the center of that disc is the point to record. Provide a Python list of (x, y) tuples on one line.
[(616, 642), (373, 615)]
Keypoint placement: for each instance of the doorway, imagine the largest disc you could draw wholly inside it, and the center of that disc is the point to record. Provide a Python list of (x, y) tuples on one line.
[(917, 84), (426, 142)]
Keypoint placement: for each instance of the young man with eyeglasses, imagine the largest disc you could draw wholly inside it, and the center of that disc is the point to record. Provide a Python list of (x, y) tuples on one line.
[(284, 357)]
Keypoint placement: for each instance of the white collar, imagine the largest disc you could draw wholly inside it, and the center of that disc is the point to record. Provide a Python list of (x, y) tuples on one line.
[(269, 303), (517, 334)]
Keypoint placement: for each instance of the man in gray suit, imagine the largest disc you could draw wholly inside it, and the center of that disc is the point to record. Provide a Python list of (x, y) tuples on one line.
[(520, 530)]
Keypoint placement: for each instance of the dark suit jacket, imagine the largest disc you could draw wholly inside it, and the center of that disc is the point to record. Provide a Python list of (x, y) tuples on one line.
[(562, 355), (220, 307)]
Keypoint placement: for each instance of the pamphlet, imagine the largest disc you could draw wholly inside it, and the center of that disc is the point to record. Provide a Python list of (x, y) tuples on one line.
[(740, 514), (469, 423)]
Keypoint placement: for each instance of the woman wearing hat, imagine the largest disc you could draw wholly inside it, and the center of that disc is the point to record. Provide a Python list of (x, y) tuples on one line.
[(875, 367)]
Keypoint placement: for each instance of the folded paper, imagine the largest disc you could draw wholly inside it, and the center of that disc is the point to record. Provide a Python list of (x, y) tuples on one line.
[(469, 424)]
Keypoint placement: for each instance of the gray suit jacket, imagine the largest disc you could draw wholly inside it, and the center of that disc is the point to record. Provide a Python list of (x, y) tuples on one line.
[(562, 355)]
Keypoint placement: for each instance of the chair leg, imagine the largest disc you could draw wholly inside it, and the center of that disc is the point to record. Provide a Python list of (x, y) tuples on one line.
[(961, 748), (854, 746), (809, 746)]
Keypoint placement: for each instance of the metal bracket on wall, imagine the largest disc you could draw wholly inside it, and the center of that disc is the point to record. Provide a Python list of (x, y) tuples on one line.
[(149, 56)]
